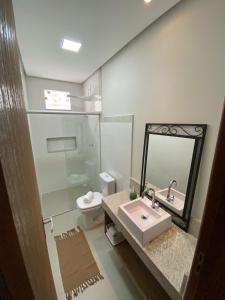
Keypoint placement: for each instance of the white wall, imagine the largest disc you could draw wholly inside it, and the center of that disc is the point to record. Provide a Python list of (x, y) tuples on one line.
[(53, 169), (36, 87), (173, 72), (116, 149)]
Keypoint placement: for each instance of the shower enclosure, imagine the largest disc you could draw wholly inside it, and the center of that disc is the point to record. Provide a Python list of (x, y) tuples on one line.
[(66, 149)]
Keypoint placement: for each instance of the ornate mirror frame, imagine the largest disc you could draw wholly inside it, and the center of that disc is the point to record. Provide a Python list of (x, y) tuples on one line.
[(191, 131)]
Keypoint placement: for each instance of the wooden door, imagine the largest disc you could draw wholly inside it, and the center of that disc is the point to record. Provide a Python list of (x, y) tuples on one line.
[(207, 277), (24, 263)]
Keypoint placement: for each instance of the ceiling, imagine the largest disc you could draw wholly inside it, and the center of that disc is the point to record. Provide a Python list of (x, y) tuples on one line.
[(102, 26)]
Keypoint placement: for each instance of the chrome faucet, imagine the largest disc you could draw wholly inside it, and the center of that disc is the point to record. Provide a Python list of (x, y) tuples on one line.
[(145, 191), (152, 194), (172, 183)]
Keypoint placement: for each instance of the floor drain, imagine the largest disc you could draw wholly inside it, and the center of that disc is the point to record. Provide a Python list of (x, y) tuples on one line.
[(144, 217)]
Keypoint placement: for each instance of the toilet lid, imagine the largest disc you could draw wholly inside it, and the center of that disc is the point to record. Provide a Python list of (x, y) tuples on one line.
[(97, 200)]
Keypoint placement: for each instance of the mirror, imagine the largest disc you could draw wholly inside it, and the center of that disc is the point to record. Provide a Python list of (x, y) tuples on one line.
[(171, 159)]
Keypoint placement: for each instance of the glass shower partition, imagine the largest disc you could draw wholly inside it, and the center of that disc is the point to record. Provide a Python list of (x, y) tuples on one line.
[(66, 149)]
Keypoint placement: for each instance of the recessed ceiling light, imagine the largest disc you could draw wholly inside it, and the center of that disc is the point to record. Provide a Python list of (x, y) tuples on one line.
[(71, 45), (147, 1)]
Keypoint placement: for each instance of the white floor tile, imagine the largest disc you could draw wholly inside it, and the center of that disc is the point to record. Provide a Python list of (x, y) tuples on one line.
[(116, 285)]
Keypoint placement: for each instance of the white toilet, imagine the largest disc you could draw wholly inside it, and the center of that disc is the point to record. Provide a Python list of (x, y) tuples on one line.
[(92, 212)]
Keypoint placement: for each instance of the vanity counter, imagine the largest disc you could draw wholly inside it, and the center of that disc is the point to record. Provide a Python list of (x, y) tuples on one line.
[(168, 257)]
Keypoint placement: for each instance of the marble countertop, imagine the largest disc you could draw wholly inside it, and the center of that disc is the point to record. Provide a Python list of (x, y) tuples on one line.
[(168, 257)]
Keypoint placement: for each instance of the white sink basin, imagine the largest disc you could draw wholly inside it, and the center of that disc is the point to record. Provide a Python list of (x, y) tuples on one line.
[(142, 220), (177, 205)]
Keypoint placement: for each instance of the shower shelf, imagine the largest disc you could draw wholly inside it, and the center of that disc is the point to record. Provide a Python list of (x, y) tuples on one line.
[(61, 112)]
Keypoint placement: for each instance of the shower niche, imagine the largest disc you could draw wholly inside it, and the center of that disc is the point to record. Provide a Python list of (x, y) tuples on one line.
[(61, 144)]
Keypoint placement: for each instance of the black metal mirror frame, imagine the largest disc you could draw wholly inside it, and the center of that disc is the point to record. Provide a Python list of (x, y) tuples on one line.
[(191, 131)]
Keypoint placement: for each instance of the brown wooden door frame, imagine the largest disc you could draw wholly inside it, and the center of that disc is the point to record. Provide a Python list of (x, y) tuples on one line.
[(207, 277), (24, 262), (12, 266)]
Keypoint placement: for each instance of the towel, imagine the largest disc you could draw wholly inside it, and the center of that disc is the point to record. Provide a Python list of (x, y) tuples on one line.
[(88, 197), (112, 231)]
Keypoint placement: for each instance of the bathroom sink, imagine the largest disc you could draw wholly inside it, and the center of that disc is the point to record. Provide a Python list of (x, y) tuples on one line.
[(142, 220), (177, 205)]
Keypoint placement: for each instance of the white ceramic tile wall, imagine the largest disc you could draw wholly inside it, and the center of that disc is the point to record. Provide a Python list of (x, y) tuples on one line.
[(116, 148), (93, 151), (57, 171), (92, 87)]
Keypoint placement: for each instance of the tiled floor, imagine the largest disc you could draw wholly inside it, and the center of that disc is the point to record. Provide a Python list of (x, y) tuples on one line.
[(62, 200), (117, 285)]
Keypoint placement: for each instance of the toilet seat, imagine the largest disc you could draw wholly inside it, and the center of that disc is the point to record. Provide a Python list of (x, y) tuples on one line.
[(96, 202)]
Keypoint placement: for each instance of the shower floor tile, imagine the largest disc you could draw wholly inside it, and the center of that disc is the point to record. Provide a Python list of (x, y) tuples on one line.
[(61, 200)]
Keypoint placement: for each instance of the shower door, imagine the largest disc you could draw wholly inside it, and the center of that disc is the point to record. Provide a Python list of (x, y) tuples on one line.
[(66, 150)]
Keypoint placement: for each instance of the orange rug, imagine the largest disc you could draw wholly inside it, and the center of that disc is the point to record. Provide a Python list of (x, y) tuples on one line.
[(77, 264)]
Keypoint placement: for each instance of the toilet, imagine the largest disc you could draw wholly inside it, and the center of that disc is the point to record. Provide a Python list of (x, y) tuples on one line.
[(92, 212)]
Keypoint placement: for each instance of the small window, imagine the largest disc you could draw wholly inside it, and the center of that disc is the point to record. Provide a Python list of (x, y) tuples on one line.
[(57, 100)]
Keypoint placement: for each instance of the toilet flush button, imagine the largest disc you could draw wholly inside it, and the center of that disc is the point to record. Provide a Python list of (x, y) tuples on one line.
[(106, 177)]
